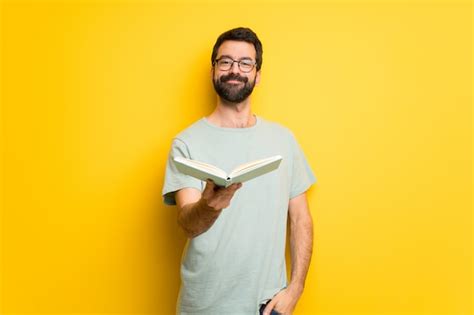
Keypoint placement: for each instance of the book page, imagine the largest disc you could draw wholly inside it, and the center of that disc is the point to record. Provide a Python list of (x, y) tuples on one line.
[(256, 170), (208, 168), (247, 167), (244, 172)]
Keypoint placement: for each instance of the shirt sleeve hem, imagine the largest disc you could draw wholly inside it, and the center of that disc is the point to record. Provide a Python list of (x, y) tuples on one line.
[(302, 190), (169, 193)]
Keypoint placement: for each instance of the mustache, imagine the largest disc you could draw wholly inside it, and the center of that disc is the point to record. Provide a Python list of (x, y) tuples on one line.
[(232, 76)]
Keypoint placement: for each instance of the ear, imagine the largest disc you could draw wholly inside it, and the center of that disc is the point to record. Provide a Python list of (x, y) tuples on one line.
[(257, 77), (212, 73)]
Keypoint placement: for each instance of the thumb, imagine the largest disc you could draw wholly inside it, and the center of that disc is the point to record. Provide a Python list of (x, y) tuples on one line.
[(209, 186)]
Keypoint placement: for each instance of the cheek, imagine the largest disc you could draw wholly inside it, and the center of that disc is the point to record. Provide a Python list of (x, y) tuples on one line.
[(253, 79), (215, 76)]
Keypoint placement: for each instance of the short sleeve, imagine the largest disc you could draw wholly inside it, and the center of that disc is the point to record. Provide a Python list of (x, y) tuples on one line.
[(174, 179), (302, 176)]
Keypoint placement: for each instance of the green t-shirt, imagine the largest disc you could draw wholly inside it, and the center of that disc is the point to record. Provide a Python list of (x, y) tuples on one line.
[(239, 263)]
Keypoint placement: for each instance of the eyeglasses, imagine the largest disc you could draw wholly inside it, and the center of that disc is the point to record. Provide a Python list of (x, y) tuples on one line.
[(226, 63)]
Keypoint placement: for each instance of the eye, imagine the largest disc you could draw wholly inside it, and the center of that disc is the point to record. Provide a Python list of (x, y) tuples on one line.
[(246, 63), (225, 62)]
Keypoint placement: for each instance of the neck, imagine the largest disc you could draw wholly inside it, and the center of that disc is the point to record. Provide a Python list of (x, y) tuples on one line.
[(232, 115)]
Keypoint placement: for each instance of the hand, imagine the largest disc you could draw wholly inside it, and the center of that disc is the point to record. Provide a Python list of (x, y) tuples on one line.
[(218, 198), (284, 302)]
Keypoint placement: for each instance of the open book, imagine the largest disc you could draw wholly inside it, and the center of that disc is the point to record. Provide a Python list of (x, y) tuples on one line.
[(240, 174)]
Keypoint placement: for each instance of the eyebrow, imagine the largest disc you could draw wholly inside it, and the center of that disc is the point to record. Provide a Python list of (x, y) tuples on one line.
[(228, 56)]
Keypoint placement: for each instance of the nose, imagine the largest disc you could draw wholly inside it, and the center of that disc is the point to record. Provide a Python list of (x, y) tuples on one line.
[(235, 67)]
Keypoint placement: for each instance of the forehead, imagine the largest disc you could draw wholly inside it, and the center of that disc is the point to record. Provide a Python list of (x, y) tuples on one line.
[(237, 49)]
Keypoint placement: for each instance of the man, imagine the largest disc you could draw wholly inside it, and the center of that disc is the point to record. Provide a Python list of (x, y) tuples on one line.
[(234, 262)]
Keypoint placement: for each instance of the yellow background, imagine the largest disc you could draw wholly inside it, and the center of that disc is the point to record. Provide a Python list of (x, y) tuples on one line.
[(378, 95)]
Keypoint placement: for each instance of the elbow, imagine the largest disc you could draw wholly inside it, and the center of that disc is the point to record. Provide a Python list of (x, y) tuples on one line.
[(189, 233)]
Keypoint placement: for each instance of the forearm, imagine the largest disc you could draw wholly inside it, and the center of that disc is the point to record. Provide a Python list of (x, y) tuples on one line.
[(197, 218), (301, 247)]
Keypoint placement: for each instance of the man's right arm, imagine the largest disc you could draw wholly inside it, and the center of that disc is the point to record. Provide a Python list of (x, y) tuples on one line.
[(198, 211)]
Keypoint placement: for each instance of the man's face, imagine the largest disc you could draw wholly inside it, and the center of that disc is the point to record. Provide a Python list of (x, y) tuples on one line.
[(234, 85)]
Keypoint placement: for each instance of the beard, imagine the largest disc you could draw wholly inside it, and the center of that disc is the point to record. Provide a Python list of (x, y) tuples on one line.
[(233, 93)]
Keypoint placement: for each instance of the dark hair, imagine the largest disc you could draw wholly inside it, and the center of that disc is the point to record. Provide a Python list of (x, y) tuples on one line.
[(243, 34)]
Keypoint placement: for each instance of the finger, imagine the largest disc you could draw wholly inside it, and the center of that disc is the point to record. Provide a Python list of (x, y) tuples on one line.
[(225, 194), (210, 184), (208, 190), (230, 191), (268, 309), (235, 186)]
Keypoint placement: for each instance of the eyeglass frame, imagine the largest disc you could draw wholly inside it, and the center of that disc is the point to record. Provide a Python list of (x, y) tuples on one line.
[(254, 63)]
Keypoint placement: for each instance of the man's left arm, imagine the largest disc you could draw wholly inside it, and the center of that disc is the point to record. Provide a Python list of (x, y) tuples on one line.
[(301, 247)]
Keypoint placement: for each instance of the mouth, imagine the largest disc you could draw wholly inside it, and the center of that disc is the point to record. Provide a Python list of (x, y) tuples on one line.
[(233, 82)]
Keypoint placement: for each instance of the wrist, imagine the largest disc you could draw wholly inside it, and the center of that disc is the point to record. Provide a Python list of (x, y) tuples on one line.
[(296, 288)]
